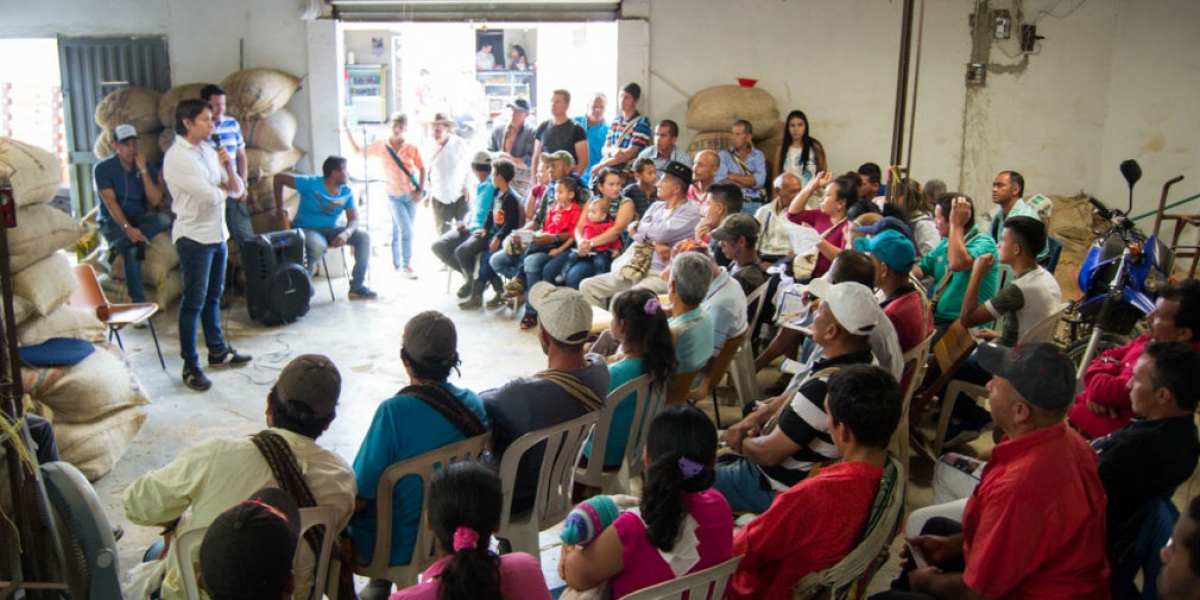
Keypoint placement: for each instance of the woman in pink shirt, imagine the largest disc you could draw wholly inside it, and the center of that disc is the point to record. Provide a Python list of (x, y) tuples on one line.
[(840, 195), (682, 525), (464, 501)]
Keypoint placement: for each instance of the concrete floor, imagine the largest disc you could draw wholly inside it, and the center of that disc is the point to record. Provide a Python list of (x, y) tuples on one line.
[(363, 339)]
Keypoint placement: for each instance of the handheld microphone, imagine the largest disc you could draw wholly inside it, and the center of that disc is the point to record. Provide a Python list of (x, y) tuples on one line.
[(216, 140)]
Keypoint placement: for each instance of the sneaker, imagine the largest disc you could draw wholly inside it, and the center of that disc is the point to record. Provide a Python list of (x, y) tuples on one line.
[(529, 321), (497, 301), (228, 358), (362, 293), (465, 291), (472, 303), (408, 273), (194, 378)]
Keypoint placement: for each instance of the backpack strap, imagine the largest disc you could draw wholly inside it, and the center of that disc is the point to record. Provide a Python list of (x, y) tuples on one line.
[(449, 406), (573, 386), (286, 469)]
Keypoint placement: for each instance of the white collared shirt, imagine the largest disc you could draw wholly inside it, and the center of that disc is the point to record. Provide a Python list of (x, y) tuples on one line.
[(193, 177)]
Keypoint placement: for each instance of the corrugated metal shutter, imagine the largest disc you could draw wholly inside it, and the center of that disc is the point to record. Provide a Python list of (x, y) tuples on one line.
[(92, 68), (490, 10)]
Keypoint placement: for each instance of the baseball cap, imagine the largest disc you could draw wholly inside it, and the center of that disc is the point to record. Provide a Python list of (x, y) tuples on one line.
[(680, 170), (311, 380), (124, 132), (562, 312), (431, 338), (853, 304), (891, 248), (248, 550), (886, 224), (735, 226), (520, 104), (1040, 371), (562, 155), (482, 158)]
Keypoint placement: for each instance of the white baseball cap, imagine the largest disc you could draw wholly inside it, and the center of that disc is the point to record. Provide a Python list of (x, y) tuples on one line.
[(123, 133), (853, 304), (563, 312)]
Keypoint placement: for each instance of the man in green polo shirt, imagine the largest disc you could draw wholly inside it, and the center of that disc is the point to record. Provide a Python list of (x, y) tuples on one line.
[(1008, 190), (949, 263)]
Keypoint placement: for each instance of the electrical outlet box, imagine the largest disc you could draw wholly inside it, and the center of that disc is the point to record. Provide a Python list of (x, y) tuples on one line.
[(976, 74), (1029, 38), (1002, 23)]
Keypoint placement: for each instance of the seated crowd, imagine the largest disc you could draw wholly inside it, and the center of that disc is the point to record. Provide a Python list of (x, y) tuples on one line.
[(671, 250)]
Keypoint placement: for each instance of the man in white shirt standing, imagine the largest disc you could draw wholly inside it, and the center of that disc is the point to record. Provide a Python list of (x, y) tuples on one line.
[(448, 170), (200, 179)]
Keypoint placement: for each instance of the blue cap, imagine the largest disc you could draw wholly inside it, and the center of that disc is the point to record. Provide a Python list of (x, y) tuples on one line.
[(891, 247), (885, 224)]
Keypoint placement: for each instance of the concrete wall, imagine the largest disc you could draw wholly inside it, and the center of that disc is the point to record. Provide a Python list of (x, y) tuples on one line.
[(202, 37)]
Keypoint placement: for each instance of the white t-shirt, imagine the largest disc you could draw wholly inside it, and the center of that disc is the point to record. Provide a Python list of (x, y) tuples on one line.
[(1025, 302)]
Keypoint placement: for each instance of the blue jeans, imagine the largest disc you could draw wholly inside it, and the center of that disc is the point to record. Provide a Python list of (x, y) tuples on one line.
[(740, 481), (203, 270), (534, 264), (316, 241), (237, 219), (403, 213), (751, 205), (150, 224), (575, 268), (505, 264)]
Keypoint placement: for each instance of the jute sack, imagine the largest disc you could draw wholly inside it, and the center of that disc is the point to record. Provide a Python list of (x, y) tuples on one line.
[(160, 258), (267, 222), (261, 195), (33, 172), (717, 107), (41, 231), (165, 139), (95, 447), (46, 284), (162, 292), (263, 163), (98, 385), (709, 140), (254, 93), (170, 99), (273, 132), (64, 321), (137, 106)]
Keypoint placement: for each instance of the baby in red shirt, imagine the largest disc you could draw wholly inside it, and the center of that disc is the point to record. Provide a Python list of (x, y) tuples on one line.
[(599, 220)]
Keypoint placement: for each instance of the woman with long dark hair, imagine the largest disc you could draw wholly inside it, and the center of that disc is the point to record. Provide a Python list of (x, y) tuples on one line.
[(519, 62), (639, 323), (800, 153), (680, 516), (464, 500)]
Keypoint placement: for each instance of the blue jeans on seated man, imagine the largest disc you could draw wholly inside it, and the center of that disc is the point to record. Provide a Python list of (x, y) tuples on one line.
[(743, 485), (203, 270), (601, 263), (150, 224), (316, 242)]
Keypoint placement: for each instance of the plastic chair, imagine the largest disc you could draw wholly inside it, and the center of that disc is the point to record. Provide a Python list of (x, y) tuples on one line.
[(709, 583), (681, 385), (89, 295), (188, 545), (743, 376), (754, 307), (1043, 331), (1053, 251), (647, 404), (552, 499), (915, 362), (715, 371), (949, 353), (325, 269), (424, 550)]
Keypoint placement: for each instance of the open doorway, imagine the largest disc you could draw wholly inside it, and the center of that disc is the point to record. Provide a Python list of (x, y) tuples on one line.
[(31, 100)]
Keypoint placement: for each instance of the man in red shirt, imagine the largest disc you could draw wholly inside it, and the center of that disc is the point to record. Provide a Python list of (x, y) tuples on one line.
[(820, 520), (1034, 527)]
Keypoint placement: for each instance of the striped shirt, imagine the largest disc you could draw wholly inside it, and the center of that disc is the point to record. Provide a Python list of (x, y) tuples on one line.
[(639, 138), (230, 134)]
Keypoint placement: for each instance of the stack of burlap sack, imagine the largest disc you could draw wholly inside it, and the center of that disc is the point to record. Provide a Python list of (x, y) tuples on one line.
[(713, 110), (94, 404), (255, 97)]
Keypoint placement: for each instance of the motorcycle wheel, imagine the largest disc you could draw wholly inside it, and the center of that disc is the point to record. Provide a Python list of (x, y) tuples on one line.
[(1108, 341)]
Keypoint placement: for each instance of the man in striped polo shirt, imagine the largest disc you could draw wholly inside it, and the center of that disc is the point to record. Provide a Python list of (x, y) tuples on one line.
[(227, 130), (628, 134)]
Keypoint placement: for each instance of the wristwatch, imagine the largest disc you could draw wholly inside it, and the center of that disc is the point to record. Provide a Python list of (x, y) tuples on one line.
[(126, 225)]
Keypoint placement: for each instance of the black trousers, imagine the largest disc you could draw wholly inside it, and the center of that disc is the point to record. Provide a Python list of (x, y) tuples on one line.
[(900, 588)]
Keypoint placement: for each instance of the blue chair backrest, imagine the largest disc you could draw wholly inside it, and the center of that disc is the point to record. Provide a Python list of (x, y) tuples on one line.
[(1054, 250)]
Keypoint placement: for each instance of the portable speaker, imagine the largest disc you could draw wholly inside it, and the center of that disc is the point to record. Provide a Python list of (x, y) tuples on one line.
[(277, 285)]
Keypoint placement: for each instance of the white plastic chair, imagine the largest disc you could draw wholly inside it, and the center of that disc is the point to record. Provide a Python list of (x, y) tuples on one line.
[(424, 549), (647, 405), (708, 584), (552, 499), (915, 362), (1043, 331), (187, 547)]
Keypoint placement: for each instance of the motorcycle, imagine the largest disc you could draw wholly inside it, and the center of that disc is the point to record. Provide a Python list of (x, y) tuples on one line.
[(1120, 279)]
